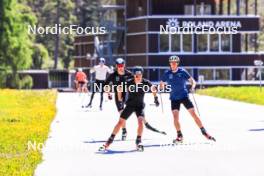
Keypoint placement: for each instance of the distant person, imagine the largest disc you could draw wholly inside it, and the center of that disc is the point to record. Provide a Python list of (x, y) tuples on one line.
[(177, 77), (81, 81), (101, 71)]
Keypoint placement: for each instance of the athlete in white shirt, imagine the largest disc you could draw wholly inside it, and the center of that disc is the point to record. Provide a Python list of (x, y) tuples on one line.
[(101, 71)]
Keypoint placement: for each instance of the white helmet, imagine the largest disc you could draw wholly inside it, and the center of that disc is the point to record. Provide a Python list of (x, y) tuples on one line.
[(102, 60), (174, 59)]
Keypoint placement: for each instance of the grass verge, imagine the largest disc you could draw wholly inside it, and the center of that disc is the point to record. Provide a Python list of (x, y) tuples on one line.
[(245, 94), (24, 116)]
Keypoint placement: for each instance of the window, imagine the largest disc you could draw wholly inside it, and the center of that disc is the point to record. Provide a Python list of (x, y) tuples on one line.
[(251, 42), (222, 74), (202, 43), (176, 42), (248, 42), (164, 43), (203, 9), (188, 10), (226, 43), (207, 73), (187, 42), (214, 42)]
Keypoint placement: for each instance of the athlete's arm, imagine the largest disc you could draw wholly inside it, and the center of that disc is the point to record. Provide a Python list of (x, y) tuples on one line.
[(193, 83), (162, 85), (119, 93), (107, 82), (92, 70), (109, 70)]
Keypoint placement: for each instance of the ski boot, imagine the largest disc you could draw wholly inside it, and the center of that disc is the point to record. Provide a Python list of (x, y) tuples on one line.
[(89, 105), (179, 138), (139, 147), (209, 137), (103, 148), (124, 134)]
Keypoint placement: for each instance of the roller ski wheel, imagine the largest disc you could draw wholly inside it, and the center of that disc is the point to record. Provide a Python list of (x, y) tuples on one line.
[(88, 106), (140, 148), (210, 137), (178, 140), (103, 148)]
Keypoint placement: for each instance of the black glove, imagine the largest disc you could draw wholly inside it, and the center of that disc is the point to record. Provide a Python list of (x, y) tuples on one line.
[(110, 97), (120, 105), (156, 101)]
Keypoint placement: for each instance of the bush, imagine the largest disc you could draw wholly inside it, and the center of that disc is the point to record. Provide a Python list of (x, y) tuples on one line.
[(26, 82)]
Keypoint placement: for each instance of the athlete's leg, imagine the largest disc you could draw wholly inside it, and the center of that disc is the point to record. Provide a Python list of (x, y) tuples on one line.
[(175, 108), (93, 92), (139, 130), (91, 99), (120, 110), (140, 126), (176, 120), (195, 117), (101, 93), (123, 117), (189, 106), (118, 125)]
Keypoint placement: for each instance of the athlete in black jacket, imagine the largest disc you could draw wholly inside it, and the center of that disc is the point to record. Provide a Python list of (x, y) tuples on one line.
[(136, 88)]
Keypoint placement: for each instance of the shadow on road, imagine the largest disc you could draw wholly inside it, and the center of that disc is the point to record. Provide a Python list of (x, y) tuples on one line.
[(257, 129)]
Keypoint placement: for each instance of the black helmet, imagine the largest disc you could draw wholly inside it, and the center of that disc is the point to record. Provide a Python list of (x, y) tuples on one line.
[(138, 70), (120, 61), (174, 59)]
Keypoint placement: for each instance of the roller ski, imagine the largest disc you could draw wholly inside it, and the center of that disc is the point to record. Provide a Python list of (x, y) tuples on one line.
[(178, 140), (149, 127), (88, 106), (140, 147), (209, 137)]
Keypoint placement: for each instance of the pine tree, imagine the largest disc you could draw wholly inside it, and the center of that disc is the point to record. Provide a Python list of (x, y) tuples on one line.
[(15, 42)]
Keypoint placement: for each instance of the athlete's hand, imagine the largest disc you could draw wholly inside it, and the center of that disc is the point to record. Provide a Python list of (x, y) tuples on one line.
[(192, 90), (110, 97), (156, 101)]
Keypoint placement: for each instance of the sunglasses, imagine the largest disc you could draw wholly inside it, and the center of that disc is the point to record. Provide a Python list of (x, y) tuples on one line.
[(174, 62), (120, 65)]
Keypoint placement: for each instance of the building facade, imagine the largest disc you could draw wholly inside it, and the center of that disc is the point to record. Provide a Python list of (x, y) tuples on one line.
[(139, 35)]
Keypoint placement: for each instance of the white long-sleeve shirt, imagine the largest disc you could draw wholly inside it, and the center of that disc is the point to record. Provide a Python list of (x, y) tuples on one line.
[(101, 72)]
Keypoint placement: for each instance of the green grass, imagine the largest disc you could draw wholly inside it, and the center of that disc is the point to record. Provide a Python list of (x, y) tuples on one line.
[(245, 94), (24, 116)]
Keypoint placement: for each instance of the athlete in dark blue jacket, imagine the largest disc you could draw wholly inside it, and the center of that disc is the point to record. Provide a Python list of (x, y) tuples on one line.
[(177, 78)]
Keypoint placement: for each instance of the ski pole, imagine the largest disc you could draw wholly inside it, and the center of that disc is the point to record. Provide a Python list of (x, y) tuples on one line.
[(195, 103), (161, 101)]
